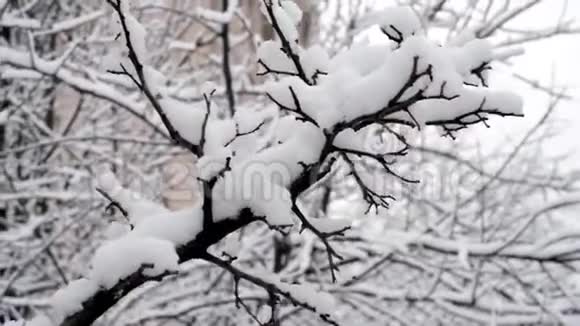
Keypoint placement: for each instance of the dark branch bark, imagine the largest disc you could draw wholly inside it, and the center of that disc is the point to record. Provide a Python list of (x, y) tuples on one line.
[(105, 299), (226, 65)]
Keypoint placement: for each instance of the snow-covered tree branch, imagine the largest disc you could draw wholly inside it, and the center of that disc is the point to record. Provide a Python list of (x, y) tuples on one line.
[(258, 169)]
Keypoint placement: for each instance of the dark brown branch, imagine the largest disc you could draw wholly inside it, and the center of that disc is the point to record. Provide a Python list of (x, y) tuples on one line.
[(397, 37), (241, 134), (226, 65), (286, 45), (114, 203), (268, 286), (143, 85), (268, 70), (450, 126), (324, 237)]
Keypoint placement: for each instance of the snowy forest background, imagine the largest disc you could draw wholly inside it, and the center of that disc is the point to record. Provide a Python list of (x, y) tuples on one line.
[(393, 180)]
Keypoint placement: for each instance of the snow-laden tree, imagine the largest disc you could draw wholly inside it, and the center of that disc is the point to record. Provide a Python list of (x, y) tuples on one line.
[(262, 167)]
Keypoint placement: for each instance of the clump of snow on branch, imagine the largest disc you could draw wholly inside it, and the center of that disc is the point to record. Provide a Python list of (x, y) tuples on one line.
[(69, 299), (117, 259), (138, 40), (287, 15), (149, 247), (402, 21), (136, 206), (177, 227), (149, 219), (376, 75), (273, 59)]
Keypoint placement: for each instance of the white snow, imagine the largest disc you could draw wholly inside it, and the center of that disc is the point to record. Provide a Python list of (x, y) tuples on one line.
[(287, 25), (231, 245), (469, 101), (463, 257), (150, 245), (156, 80), (182, 45), (209, 165), (178, 227), (470, 56), (138, 36), (9, 20), (260, 181), (377, 74), (186, 118), (76, 21), (216, 16), (116, 230), (357, 82), (274, 59), (323, 302), (350, 139), (403, 18), (218, 133), (11, 73), (292, 10), (151, 219), (117, 259), (3, 117), (314, 59), (248, 120), (40, 320), (361, 58), (137, 32), (208, 87), (13, 322), (68, 300), (314, 100), (134, 203)]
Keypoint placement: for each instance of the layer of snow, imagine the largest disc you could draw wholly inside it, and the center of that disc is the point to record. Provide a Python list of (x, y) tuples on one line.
[(469, 101), (287, 24), (116, 230), (134, 203), (403, 18), (117, 259), (186, 118), (275, 60), (376, 76), (40, 320), (292, 10), (177, 227), (350, 139), (137, 32), (260, 181), (69, 299), (314, 60), (76, 21), (10, 73)]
